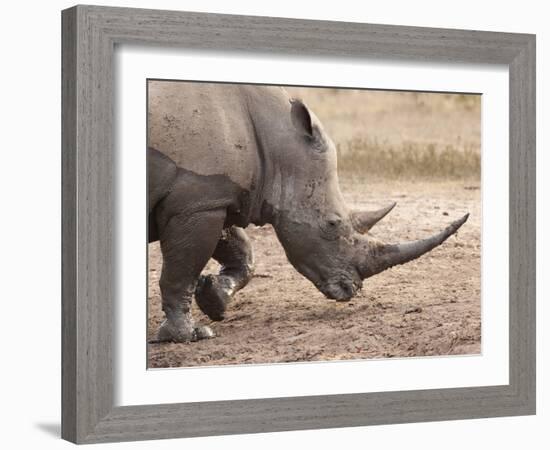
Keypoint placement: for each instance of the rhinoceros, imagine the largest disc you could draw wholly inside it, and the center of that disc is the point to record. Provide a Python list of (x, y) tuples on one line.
[(223, 156)]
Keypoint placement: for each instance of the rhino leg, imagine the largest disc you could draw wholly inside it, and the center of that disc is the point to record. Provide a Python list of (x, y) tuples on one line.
[(234, 253), (187, 243)]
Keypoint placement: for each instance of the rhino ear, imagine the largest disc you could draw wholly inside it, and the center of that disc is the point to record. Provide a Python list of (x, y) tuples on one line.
[(301, 119)]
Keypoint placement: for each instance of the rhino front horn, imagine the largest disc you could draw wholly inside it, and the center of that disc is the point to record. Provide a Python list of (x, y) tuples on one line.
[(363, 221), (384, 256)]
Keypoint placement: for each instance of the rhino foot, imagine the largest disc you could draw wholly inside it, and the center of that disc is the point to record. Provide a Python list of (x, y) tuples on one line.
[(183, 332), (212, 295)]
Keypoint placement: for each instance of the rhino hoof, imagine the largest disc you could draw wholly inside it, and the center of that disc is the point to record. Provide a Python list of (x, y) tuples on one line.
[(211, 297), (170, 333)]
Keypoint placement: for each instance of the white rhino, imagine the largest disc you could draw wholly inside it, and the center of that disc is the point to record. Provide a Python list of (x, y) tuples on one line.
[(221, 157)]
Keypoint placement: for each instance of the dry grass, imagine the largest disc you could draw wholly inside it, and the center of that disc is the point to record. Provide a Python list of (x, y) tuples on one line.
[(400, 134), (409, 160)]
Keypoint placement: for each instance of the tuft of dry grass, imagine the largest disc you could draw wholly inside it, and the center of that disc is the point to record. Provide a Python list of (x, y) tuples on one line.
[(408, 160)]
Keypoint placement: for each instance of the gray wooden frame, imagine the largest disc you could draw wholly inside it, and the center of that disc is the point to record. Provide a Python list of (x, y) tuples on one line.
[(89, 36)]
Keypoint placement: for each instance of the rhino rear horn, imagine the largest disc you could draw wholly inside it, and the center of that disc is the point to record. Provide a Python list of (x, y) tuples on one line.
[(363, 221), (385, 256)]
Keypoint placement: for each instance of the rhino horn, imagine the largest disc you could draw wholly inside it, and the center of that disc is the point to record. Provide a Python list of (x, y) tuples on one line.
[(384, 256), (363, 221)]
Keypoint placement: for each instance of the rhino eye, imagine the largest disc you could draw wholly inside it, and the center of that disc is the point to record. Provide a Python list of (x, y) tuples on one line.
[(331, 227), (333, 221)]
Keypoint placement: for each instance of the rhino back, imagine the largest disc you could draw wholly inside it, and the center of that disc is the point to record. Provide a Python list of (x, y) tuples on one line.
[(204, 128)]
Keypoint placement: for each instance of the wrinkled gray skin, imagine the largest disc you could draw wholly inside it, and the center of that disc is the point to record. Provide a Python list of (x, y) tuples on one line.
[(221, 157)]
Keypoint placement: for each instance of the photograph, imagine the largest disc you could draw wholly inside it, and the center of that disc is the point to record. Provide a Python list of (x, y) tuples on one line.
[(293, 224), (298, 223)]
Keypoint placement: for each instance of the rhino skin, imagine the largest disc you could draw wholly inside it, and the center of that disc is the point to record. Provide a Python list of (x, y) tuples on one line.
[(223, 156)]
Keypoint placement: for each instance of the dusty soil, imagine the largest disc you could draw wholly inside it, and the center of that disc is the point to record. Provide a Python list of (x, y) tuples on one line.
[(428, 307)]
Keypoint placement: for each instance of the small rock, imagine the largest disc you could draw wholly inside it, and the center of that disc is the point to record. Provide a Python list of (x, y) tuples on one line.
[(416, 309), (445, 213)]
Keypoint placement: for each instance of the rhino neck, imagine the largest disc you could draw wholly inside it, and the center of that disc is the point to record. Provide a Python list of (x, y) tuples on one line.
[(279, 197), (273, 187), (274, 197), (266, 190), (278, 172)]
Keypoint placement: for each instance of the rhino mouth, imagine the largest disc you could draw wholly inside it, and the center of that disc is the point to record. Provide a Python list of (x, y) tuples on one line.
[(342, 290)]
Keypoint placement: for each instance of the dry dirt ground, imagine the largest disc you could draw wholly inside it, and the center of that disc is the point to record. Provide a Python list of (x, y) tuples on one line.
[(428, 307)]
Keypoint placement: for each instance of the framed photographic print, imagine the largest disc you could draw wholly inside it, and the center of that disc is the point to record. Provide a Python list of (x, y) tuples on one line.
[(278, 224)]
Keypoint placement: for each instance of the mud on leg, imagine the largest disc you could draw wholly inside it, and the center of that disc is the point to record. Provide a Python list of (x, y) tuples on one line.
[(185, 252), (234, 253)]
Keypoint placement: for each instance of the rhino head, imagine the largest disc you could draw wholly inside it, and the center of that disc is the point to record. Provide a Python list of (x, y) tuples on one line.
[(323, 239)]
